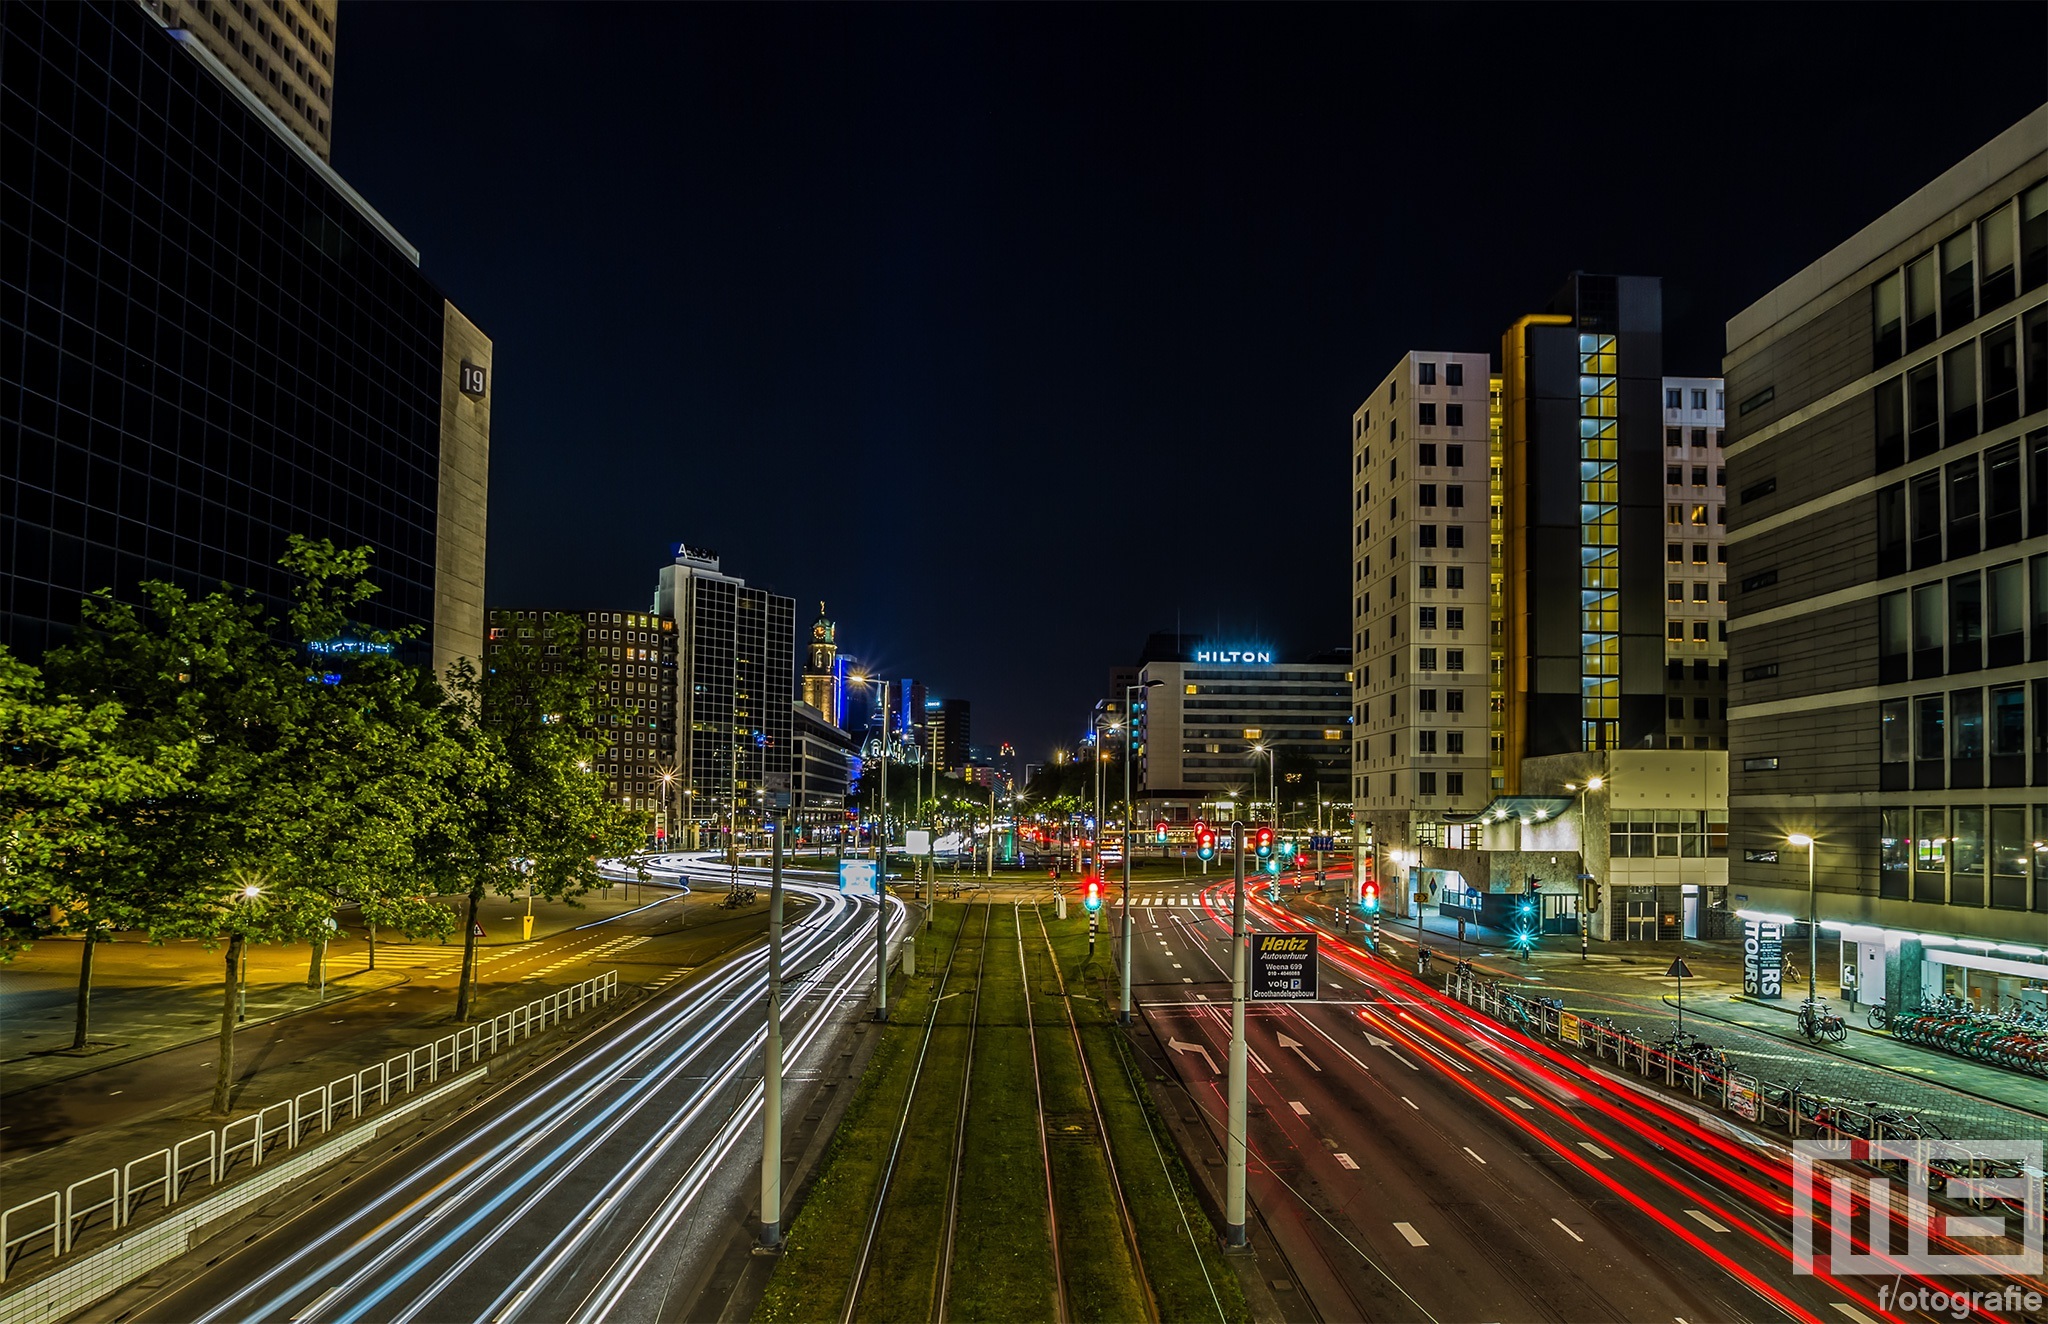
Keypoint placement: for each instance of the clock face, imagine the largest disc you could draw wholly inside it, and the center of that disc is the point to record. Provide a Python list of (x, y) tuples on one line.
[(818, 632)]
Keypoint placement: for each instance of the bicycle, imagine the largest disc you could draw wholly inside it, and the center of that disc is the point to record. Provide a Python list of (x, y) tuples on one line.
[(1877, 1017), (1819, 1021)]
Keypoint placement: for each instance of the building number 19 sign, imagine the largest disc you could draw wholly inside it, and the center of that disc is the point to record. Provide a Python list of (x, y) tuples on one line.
[(1283, 967)]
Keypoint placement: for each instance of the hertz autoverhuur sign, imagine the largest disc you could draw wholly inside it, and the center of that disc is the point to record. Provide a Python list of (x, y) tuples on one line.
[(1283, 967)]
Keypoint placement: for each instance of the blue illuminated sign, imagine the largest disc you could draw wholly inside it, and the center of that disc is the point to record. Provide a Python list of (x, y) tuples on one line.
[(348, 647)]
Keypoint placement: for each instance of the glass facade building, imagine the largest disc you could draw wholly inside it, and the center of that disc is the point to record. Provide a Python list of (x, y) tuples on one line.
[(209, 342)]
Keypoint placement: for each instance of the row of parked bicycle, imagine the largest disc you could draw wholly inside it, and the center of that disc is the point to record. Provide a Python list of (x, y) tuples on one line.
[(1974, 1034)]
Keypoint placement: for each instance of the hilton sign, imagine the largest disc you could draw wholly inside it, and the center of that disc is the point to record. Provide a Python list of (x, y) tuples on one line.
[(1260, 656)]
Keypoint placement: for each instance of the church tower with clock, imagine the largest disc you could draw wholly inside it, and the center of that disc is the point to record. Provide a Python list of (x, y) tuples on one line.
[(824, 687)]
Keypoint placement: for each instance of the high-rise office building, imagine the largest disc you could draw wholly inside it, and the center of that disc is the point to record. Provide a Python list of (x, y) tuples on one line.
[(1420, 592), (1695, 565), (212, 342), (955, 740), (824, 684), (281, 50), (735, 683), (636, 657), (1888, 562)]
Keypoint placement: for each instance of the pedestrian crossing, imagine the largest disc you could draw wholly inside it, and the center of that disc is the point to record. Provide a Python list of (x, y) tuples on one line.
[(1148, 901), (669, 978), (602, 952)]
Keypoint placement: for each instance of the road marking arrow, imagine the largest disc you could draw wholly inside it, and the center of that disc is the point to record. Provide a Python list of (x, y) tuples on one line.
[(1294, 1046), (1179, 1047), (1378, 1042)]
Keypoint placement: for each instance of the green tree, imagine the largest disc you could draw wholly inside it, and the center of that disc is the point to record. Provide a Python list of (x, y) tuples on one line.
[(67, 794), (529, 808), (313, 765)]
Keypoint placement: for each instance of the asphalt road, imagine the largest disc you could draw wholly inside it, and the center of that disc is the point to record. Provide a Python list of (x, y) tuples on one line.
[(1415, 1162), (597, 1187)]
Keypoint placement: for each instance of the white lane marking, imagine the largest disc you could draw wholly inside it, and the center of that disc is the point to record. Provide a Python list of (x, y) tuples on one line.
[(1408, 1230), (1185, 979), (1594, 1149), (1179, 1047), (1346, 1161), (1257, 1061), (1290, 1044), (1474, 1153), (1523, 1104), (1410, 1102), (1567, 1231), (1704, 1221), (1299, 1109), (511, 1305), (1176, 965), (1851, 1311), (313, 1309)]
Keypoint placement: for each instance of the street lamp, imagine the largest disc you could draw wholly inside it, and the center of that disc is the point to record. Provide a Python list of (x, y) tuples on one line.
[(1272, 775), (1812, 920), (1131, 693), (867, 680)]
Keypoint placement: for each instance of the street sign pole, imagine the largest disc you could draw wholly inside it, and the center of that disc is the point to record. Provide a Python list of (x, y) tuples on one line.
[(771, 1063), (1233, 1214)]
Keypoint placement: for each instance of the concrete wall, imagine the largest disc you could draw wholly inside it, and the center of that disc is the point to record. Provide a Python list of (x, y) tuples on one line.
[(465, 496)]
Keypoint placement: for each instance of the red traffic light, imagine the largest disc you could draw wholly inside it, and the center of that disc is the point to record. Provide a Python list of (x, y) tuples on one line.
[(1091, 894), (1159, 832), (1205, 842), (1263, 839)]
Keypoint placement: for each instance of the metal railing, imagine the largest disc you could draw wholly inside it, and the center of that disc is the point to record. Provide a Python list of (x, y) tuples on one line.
[(114, 1198)]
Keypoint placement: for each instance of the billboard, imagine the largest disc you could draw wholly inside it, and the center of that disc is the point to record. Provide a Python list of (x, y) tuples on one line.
[(857, 877), (1283, 967), (1763, 958)]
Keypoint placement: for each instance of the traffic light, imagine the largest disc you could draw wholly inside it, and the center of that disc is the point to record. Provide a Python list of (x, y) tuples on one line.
[(1205, 842), (1369, 898), (1091, 894), (1273, 867), (1287, 849), (1159, 832), (1263, 840)]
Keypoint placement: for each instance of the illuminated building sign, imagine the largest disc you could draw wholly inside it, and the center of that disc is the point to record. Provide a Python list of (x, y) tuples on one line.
[(697, 555), (1253, 656), (347, 647)]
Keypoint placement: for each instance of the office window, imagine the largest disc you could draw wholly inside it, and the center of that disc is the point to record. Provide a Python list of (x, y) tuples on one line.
[(1425, 659), (1454, 576), (1454, 454), (1699, 553), (1699, 399), (1699, 591), (1720, 477), (1454, 535), (1454, 495), (1674, 397), (1426, 575), (1425, 618), (1887, 315), (1454, 416), (1959, 393), (1895, 854), (1958, 281), (1454, 701), (1699, 437), (1674, 513), (1674, 709), (1425, 374), (1674, 553), (1425, 783), (1425, 535), (1425, 416), (1674, 438), (1674, 474), (1721, 591), (1425, 701), (1675, 631), (1674, 591), (1454, 742), (1921, 302), (2001, 355), (1454, 618), (1454, 659), (1425, 741), (1889, 398), (1454, 374), (1426, 496), (1699, 516), (1699, 475), (1454, 782), (1699, 632), (1923, 410)]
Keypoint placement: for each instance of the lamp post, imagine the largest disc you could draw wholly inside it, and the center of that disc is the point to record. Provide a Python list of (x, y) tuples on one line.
[(1131, 695), (1812, 919), (1095, 730), (1234, 1140), (1272, 776), (771, 1061), (881, 858)]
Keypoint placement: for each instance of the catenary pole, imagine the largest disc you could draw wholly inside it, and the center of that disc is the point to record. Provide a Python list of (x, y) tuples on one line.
[(1233, 1212), (771, 1068)]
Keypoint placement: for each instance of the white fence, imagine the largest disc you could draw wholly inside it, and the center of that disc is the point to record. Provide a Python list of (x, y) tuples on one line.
[(54, 1223)]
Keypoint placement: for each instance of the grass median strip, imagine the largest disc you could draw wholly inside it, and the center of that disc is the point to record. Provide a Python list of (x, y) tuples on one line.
[(824, 1243), (1189, 1277)]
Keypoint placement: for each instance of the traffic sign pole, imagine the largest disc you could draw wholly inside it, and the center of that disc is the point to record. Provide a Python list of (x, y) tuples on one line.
[(1233, 1211), (771, 1064)]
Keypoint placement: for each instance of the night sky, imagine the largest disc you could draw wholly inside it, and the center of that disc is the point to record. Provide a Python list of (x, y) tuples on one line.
[(1016, 333)]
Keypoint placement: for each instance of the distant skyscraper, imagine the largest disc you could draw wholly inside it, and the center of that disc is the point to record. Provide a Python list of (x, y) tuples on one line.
[(956, 748), (824, 674), (735, 684), (282, 51)]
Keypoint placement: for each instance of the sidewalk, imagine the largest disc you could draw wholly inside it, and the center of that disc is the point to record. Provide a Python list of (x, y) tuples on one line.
[(147, 998), (1626, 981)]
